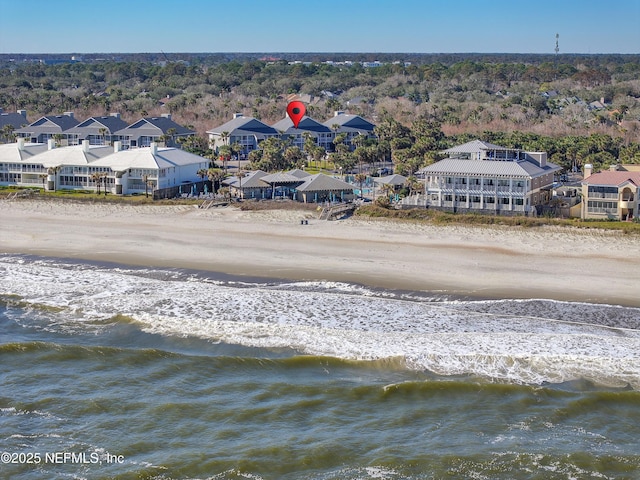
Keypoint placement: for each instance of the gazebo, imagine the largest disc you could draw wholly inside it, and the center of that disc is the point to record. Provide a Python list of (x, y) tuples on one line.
[(284, 183), (322, 188)]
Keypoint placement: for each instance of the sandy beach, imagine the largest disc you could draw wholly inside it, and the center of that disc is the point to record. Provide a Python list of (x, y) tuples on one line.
[(493, 262)]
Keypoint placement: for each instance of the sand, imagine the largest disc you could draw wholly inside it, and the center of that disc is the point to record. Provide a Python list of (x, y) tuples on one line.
[(487, 262)]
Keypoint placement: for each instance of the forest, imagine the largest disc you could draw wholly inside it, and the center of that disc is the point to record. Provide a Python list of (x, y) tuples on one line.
[(579, 108)]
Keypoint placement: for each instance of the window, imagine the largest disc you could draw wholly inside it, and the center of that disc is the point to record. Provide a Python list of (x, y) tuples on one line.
[(603, 192), (519, 201), (594, 206), (505, 201)]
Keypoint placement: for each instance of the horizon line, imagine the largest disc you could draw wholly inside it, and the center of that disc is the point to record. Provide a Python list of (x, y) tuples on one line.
[(161, 52)]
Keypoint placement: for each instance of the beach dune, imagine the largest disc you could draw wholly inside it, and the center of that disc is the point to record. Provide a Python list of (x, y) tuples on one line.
[(488, 262)]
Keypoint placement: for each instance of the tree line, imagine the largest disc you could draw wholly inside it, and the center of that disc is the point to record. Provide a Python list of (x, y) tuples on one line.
[(419, 108)]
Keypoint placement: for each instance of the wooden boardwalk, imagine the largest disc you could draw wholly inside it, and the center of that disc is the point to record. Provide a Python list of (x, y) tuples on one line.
[(214, 202), (334, 212)]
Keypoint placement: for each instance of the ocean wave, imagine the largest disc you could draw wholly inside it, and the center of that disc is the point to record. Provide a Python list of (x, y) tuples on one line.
[(521, 341)]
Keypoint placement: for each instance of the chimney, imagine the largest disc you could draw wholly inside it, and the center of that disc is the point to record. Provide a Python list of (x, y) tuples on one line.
[(51, 144), (588, 170), (154, 148), (117, 146), (167, 115), (116, 115), (20, 143), (237, 115), (338, 112), (69, 114), (85, 145), (614, 168), (23, 113)]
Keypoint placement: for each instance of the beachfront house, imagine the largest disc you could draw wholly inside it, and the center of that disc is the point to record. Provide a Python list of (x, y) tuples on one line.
[(98, 130), (50, 127), (485, 178), (148, 130), (611, 195), (247, 132)]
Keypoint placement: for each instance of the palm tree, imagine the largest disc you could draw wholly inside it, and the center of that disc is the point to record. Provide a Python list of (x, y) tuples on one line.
[(103, 133), (224, 137), (236, 149), (360, 178), (413, 184), (58, 137), (240, 175), (216, 175), (96, 177), (225, 154), (145, 179), (7, 133)]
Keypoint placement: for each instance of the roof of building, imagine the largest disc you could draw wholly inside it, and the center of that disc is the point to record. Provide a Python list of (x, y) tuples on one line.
[(93, 125), (615, 178), (50, 124), (14, 153), (244, 126), (307, 124), (456, 166), (77, 155), (146, 159), (296, 172), (281, 177), (350, 123), (323, 183), (153, 126), (15, 119), (252, 180), (474, 146), (393, 179)]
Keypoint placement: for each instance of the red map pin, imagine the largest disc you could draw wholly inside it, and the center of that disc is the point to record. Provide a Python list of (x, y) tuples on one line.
[(296, 111)]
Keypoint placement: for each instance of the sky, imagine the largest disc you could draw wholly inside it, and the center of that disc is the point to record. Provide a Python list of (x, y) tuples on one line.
[(385, 26)]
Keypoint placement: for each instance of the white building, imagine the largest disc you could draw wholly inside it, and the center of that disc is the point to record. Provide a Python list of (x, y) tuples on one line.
[(121, 171), (482, 177)]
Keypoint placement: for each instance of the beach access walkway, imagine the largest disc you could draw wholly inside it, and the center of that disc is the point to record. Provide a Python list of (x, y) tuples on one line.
[(333, 212)]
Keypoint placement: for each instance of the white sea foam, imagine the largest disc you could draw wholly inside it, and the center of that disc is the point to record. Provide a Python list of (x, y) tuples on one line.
[(529, 341)]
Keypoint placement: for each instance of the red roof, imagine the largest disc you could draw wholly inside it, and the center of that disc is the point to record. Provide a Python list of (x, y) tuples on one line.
[(615, 178)]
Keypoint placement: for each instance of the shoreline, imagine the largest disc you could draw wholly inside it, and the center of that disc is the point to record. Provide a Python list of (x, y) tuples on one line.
[(471, 261)]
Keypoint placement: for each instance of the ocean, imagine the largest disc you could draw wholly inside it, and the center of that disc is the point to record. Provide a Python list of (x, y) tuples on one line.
[(116, 372)]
